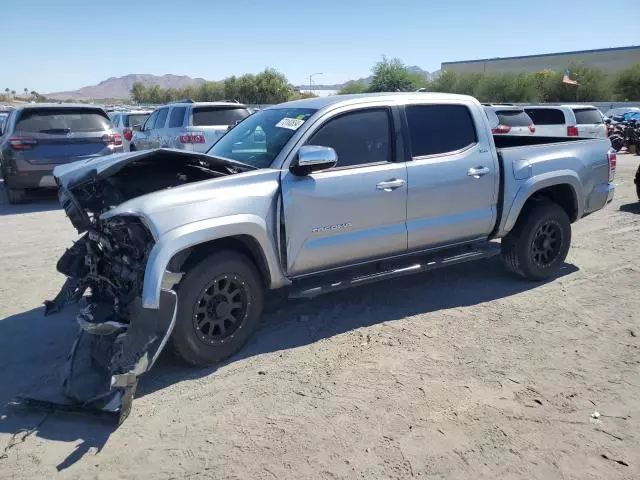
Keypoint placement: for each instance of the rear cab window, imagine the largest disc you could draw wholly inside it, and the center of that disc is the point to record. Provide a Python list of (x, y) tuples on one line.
[(514, 118), (214, 115), (62, 120), (587, 116), (546, 116), (439, 129)]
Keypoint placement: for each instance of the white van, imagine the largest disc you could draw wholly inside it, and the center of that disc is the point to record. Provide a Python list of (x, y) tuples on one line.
[(567, 121)]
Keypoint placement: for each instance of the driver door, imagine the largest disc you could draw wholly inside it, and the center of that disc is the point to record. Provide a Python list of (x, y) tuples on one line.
[(356, 210)]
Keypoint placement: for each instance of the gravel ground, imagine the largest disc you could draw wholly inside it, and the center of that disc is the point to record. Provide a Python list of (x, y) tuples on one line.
[(459, 373)]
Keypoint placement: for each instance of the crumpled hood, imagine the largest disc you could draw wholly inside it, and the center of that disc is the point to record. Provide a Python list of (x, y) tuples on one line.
[(78, 172)]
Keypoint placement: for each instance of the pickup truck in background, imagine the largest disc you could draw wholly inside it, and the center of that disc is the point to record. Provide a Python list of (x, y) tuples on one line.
[(182, 248)]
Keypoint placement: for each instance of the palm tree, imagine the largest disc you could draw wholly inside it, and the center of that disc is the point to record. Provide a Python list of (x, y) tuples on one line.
[(13, 92), (6, 90), (26, 91)]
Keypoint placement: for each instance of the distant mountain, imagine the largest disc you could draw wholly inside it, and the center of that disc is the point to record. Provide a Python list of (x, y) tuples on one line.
[(367, 80), (120, 87)]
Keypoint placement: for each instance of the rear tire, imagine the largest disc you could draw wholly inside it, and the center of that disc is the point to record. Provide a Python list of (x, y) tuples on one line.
[(538, 244), (15, 196), (220, 301)]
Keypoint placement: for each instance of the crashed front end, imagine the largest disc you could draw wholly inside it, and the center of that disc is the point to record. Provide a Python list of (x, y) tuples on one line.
[(118, 339)]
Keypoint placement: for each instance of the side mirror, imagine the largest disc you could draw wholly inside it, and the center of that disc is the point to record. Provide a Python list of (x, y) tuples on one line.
[(312, 158), (137, 127)]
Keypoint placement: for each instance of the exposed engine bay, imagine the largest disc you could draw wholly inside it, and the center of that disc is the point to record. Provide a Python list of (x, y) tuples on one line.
[(118, 339)]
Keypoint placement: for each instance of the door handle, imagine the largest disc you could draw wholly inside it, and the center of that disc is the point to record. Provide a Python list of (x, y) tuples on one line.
[(478, 172), (391, 184)]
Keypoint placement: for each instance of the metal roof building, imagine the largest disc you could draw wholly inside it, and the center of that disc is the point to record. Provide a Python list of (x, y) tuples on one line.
[(610, 59)]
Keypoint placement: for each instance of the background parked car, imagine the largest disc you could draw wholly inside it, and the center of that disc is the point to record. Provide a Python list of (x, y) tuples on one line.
[(127, 123), (37, 137), (617, 114), (4, 114), (188, 125), (567, 121), (509, 120)]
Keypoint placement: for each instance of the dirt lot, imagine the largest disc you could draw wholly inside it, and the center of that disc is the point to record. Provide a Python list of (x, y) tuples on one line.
[(460, 373)]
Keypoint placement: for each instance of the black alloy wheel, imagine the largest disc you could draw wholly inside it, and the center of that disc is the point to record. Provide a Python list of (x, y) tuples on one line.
[(546, 244), (221, 308)]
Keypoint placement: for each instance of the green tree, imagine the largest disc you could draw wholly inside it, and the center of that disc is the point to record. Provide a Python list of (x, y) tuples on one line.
[(391, 75), (138, 92), (354, 86), (627, 83), (594, 85)]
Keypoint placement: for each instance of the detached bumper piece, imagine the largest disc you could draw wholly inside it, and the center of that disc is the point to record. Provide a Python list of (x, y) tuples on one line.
[(107, 358)]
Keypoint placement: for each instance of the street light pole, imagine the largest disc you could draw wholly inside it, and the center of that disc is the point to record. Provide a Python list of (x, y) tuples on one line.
[(311, 80)]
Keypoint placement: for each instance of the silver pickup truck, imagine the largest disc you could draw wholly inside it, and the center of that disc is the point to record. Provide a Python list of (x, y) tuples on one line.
[(305, 197)]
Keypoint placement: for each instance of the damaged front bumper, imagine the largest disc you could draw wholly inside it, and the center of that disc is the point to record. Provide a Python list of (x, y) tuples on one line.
[(108, 357)]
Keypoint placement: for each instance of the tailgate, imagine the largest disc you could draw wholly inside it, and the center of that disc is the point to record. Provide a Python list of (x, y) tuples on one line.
[(64, 148)]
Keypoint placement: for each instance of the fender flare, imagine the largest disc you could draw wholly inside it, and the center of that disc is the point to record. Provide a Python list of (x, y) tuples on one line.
[(203, 231), (539, 182)]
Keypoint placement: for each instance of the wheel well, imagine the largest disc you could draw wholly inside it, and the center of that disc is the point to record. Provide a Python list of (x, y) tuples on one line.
[(562, 195), (245, 244)]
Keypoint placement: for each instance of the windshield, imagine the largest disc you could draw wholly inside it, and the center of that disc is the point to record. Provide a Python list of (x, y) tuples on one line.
[(258, 139)]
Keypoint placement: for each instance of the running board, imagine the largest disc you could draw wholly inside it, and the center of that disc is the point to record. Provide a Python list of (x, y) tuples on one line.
[(487, 250)]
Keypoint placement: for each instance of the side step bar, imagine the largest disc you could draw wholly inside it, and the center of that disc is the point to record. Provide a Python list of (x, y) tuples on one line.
[(420, 264)]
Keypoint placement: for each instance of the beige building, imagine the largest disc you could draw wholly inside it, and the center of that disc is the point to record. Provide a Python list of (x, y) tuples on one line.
[(610, 59)]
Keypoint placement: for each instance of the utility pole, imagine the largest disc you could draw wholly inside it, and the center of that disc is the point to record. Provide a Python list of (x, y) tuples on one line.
[(311, 80)]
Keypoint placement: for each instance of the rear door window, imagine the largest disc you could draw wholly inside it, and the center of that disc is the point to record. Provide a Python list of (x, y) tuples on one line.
[(62, 120), (162, 118), (437, 129), (514, 118), (176, 119), (587, 115), (209, 116), (546, 116)]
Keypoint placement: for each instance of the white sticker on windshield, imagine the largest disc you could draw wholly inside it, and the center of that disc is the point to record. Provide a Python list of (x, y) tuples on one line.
[(290, 123)]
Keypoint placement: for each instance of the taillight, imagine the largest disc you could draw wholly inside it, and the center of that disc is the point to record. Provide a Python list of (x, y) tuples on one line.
[(128, 134), (192, 137), (113, 139), (532, 128), (572, 131), (501, 129), (18, 142), (613, 161)]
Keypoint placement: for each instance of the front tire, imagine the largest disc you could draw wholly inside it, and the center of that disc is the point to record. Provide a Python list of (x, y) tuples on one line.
[(538, 244), (220, 301)]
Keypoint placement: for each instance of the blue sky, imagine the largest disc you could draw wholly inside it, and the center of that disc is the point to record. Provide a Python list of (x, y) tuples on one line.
[(51, 45)]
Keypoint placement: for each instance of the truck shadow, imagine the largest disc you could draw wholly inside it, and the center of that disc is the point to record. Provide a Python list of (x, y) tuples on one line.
[(631, 207), (34, 348)]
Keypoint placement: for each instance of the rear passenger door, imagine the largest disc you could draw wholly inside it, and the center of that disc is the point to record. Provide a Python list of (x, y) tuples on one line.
[(175, 127), (158, 133), (453, 177)]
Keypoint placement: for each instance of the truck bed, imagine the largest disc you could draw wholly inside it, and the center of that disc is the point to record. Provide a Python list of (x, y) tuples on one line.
[(509, 141)]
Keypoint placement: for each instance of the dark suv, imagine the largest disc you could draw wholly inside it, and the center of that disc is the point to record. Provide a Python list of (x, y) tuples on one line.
[(37, 137)]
